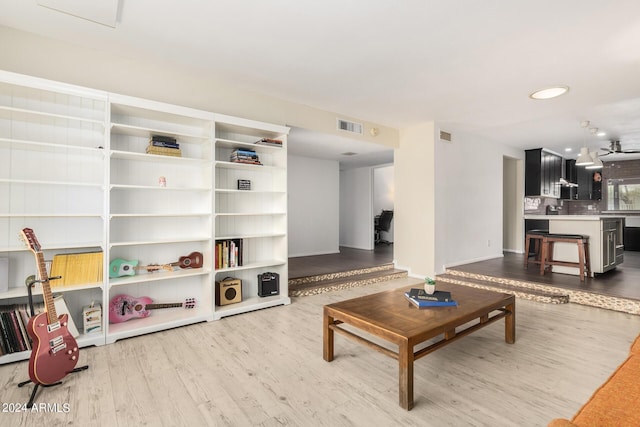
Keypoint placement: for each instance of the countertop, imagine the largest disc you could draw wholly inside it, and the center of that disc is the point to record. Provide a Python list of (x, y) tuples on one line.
[(573, 217)]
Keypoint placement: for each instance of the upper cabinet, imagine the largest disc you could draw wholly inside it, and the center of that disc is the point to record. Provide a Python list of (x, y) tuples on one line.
[(543, 170)]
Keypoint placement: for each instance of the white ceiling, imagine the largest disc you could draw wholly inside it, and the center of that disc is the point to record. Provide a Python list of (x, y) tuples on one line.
[(466, 64)]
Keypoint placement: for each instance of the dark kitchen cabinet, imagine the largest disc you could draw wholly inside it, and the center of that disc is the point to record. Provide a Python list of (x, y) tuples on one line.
[(543, 170), (568, 192)]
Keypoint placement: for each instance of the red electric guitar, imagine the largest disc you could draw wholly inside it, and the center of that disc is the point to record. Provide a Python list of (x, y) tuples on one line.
[(54, 350)]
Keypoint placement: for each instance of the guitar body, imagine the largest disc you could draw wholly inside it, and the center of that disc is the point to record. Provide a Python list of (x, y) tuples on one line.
[(125, 307), (54, 353), (193, 260), (120, 267)]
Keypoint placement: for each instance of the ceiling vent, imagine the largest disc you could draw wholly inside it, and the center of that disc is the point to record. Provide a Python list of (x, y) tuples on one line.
[(445, 136), (348, 126)]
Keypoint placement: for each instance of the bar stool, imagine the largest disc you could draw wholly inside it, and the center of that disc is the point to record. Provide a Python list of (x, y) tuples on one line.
[(582, 243), (536, 236)]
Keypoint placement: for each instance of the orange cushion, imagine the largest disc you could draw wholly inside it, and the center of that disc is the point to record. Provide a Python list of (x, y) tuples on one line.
[(635, 347), (616, 403)]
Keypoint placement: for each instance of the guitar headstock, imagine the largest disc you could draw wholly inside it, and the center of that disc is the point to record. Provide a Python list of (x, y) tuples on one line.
[(29, 238), (189, 303)]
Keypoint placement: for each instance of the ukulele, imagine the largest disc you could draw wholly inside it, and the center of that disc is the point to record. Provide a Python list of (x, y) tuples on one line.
[(125, 307), (54, 351), (120, 267)]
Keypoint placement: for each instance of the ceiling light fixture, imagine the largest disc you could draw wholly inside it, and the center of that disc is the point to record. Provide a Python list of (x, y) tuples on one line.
[(550, 92), (597, 163), (584, 159)]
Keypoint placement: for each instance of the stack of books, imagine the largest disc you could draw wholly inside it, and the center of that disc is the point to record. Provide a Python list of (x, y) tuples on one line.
[(245, 156), (438, 299), (164, 146), (269, 141), (14, 320), (228, 253)]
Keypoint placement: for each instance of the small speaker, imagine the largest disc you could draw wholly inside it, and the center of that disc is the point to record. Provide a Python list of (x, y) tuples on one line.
[(268, 284), (228, 291)]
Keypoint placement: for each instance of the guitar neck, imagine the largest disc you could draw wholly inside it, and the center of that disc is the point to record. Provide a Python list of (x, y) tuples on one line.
[(158, 306), (50, 307)]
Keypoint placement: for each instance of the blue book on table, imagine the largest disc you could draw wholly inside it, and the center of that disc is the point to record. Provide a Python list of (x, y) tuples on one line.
[(427, 303)]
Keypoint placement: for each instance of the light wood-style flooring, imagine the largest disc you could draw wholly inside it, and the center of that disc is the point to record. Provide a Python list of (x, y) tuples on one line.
[(265, 368)]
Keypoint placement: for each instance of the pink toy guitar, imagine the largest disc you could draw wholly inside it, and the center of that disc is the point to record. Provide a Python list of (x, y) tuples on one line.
[(124, 307)]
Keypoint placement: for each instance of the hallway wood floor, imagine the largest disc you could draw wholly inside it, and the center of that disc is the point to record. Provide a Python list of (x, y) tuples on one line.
[(265, 368), (346, 259)]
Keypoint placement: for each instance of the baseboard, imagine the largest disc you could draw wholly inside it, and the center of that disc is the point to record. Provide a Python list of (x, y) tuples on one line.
[(514, 251), (356, 247), (313, 254), (470, 261)]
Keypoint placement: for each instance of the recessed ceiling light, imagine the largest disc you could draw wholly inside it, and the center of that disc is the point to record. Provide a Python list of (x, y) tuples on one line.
[(567, 149), (601, 133), (550, 92)]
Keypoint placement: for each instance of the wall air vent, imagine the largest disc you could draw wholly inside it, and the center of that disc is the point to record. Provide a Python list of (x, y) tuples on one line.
[(348, 126), (445, 136)]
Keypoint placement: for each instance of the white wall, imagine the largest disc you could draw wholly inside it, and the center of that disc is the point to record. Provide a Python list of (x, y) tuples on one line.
[(383, 194), (313, 208), (469, 199), (414, 214), (356, 217), (165, 81)]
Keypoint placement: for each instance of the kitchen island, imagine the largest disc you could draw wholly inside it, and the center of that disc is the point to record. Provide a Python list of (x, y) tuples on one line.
[(606, 246)]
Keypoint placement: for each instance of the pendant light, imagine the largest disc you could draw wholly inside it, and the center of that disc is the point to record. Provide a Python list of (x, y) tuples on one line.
[(584, 159), (597, 163)]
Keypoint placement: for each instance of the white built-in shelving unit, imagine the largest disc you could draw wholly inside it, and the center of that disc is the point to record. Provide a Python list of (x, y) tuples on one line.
[(52, 162), (257, 216), (73, 167)]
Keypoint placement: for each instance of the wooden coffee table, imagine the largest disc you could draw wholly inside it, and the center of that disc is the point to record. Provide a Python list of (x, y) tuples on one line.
[(390, 316)]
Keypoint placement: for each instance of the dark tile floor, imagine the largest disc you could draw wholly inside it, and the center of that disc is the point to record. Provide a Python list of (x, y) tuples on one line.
[(623, 281), (347, 259)]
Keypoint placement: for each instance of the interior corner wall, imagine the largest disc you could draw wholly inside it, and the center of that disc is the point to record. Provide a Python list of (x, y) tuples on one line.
[(512, 223), (414, 210), (356, 201), (469, 199), (313, 206), (383, 195)]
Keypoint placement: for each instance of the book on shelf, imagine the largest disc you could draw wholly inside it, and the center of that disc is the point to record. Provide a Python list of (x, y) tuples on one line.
[(164, 144), (76, 269), (269, 141), (245, 156), (427, 303), (443, 296), (228, 253), (14, 319), (163, 151), (164, 139)]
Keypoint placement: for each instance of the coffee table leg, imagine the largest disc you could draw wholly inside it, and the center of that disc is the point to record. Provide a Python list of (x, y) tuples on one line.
[(327, 348), (510, 324), (405, 360)]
